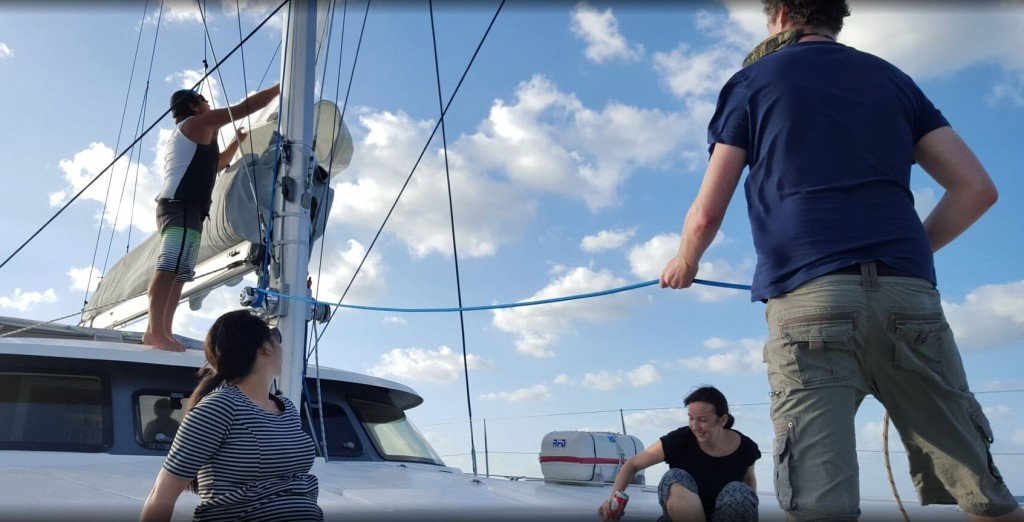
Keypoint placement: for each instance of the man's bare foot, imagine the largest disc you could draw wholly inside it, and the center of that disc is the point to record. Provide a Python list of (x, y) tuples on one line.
[(176, 342), (162, 343)]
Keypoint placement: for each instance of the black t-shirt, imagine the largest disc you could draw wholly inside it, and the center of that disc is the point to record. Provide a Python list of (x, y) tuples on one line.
[(710, 473)]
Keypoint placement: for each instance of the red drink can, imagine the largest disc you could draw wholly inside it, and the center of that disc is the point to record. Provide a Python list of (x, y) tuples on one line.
[(617, 505)]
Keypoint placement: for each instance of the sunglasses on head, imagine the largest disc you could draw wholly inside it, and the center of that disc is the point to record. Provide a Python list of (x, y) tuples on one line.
[(275, 334)]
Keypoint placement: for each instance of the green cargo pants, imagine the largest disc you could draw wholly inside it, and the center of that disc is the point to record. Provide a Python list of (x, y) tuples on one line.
[(837, 338)]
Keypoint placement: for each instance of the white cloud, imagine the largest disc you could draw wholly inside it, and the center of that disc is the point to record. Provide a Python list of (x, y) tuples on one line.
[(337, 271), (689, 72), (924, 201), (1011, 89), (648, 260), (643, 375), (442, 365), (548, 141), (488, 212), (544, 141), (259, 9), (602, 380), (606, 240), (561, 379), (180, 11), (658, 421), (394, 319), (81, 277), (990, 316), (539, 392), (25, 301), (996, 385), (999, 411), (915, 37), (538, 327), (740, 356), (196, 323), (600, 31), (1018, 436), (5, 51), (120, 183)]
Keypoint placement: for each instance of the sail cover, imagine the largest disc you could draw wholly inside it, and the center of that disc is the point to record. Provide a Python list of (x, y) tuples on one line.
[(240, 210)]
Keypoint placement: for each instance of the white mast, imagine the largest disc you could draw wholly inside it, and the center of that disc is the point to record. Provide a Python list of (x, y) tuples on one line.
[(291, 228)]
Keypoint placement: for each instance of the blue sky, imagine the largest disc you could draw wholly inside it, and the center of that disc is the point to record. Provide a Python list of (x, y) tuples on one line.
[(576, 144)]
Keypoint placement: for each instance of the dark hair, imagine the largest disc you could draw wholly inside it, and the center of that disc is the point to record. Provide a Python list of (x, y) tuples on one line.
[(181, 103), (827, 14), (712, 396), (231, 346)]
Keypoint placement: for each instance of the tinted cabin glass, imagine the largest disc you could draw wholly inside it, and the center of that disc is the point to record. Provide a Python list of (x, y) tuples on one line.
[(395, 437), (158, 419), (341, 435), (53, 412)]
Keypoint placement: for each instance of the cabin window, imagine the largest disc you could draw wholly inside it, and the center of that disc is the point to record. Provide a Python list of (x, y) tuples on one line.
[(395, 437), (342, 440), (158, 416), (40, 411)]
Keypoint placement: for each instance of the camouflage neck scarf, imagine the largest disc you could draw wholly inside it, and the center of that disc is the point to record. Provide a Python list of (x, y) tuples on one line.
[(774, 43)]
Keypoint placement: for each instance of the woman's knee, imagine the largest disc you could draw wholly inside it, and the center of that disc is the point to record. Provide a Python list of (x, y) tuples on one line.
[(737, 501), (675, 476)]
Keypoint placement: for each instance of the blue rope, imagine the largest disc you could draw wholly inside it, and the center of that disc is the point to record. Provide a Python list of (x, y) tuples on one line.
[(620, 289)]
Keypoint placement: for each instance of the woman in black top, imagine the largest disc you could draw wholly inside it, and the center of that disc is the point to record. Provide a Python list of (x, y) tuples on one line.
[(711, 475), (239, 447)]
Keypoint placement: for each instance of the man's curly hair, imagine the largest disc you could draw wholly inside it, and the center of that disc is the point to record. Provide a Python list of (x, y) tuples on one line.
[(826, 14)]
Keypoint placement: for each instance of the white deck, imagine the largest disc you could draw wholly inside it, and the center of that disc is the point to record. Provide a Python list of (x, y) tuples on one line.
[(54, 485)]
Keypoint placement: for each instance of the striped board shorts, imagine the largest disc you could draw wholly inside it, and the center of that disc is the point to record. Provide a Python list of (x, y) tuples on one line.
[(180, 225)]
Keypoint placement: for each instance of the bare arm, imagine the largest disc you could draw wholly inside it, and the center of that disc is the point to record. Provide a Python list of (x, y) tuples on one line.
[(229, 151), (202, 128), (750, 479), (643, 460), (969, 189), (160, 503), (706, 214)]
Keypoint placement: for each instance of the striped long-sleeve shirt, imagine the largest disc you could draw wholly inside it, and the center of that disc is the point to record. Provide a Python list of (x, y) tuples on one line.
[(251, 464)]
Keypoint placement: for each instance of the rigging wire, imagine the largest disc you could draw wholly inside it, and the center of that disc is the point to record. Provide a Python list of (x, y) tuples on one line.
[(120, 129), (227, 102), (119, 156), (149, 76), (330, 162), (341, 118), (264, 269), (206, 64), (309, 344), (426, 145), (269, 65), (104, 308), (138, 149), (248, 124), (455, 246)]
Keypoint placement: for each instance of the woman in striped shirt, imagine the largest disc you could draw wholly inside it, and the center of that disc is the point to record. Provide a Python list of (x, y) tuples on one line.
[(239, 447)]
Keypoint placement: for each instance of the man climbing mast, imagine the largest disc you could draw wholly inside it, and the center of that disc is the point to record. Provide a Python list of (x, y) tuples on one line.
[(191, 164), (845, 263)]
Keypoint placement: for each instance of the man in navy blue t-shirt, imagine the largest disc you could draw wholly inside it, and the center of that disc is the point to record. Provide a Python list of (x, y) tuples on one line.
[(844, 262)]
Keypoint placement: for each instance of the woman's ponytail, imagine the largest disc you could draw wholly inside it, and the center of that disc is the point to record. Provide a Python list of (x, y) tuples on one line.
[(209, 381)]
